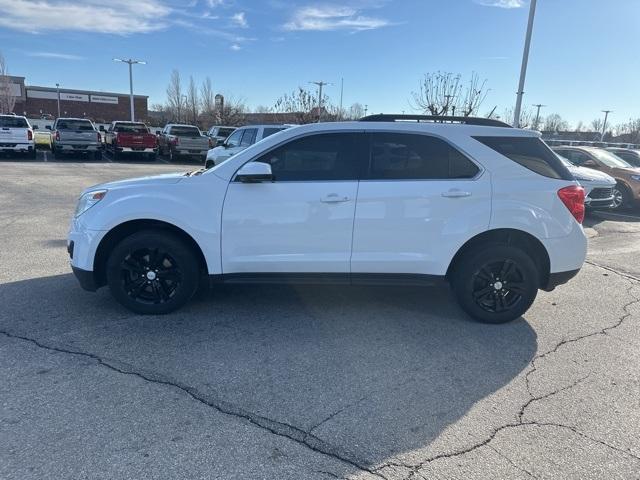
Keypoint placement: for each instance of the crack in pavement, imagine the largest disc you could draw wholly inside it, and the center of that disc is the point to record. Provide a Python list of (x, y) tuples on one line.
[(275, 427), (520, 423), (512, 463)]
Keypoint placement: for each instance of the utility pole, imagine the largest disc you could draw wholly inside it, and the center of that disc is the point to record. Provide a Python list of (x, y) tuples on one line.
[(366, 109), (341, 95), (523, 68), (604, 125), (131, 63), (538, 107), (320, 84), (58, 90)]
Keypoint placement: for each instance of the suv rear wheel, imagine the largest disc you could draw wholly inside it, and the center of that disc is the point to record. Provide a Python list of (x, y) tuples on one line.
[(495, 283), (152, 272)]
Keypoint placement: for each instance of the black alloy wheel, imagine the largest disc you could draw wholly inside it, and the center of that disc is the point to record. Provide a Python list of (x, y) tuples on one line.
[(495, 283), (153, 272)]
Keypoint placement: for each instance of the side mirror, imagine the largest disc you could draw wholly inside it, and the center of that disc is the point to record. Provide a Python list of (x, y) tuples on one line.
[(35, 127), (158, 132), (101, 128), (209, 163), (254, 172), (48, 127)]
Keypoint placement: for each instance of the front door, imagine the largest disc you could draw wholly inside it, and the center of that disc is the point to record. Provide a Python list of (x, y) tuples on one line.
[(302, 221)]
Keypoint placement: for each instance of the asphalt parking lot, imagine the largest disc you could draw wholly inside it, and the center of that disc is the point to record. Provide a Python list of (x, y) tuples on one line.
[(305, 382)]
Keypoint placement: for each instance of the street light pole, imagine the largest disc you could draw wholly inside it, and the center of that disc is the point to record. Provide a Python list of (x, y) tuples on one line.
[(523, 68), (604, 125), (58, 90), (535, 123), (320, 84), (131, 63), (341, 95)]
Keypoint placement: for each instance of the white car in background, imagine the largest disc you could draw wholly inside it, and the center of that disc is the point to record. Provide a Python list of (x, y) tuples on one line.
[(598, 186), (239, 140), (16, 136), (488, 208)]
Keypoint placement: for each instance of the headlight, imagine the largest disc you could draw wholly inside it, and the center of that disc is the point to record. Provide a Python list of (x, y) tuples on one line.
[(636, 177), (88, 200)]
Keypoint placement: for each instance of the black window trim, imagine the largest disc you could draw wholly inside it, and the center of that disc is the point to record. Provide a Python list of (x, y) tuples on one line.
[(293, 139), (370, 133)]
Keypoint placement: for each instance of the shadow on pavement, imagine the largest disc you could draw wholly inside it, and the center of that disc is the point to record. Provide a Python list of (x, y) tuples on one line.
[(372, 372)]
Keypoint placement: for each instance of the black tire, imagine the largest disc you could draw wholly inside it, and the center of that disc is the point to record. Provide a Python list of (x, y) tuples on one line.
[(97, 155), (175, 276), (33, 154), (485, 296), (622, 198), (172, 156), (114, 154)]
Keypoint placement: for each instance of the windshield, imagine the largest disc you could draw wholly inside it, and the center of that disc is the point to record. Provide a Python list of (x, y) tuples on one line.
[(13, 122), (185, 131), (78, 125), (610, 160), (131, 128)]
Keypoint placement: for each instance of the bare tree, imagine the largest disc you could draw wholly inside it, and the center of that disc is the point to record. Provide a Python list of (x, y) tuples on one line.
[(301, 104), (232, 113), (629, 132), (207, 98), (356, 111), (527, 117), (263, 109), (175, 100), (193, 101), (7, 100), (444, 93), (580, 126), (596, 124), (554, 123)]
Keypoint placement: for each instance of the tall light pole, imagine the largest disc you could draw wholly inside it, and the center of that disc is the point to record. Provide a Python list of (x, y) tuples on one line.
[(320, 84), (341, 95), (366, 109), (131, 63), (538, 107), (604, 125), (58, 90), (523, 68)]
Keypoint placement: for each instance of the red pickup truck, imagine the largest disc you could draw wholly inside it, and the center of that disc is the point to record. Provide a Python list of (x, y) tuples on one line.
[(129, 138)]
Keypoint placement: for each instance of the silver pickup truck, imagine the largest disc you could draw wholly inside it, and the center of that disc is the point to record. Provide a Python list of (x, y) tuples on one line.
[(183, 140), (76, 135)]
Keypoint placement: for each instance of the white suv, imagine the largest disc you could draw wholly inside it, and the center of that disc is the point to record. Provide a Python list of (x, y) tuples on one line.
[(488, 208)]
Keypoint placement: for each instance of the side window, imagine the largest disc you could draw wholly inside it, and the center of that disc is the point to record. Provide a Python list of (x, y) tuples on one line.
[(529, 152), (321, 157), (577, 157), (234, 140), (270, 131), (406, 156), (249, 137)]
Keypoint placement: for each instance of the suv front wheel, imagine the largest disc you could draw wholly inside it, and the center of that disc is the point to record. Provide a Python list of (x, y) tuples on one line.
[(152, 272), (495, 283)]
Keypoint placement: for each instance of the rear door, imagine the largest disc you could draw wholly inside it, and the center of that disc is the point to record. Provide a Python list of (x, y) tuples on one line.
[(302, 221), (419, 200), (13, 130)]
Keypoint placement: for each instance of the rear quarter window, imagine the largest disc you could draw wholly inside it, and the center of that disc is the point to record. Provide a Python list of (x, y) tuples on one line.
[(529, 152)]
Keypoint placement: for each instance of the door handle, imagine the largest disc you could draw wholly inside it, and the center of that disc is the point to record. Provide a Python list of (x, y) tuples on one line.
[(334, 198), (455, 193)]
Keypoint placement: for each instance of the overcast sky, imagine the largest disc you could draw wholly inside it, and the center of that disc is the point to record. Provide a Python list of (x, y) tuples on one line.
[(584, 55)]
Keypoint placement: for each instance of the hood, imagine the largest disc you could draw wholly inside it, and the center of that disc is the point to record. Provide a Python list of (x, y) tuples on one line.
[(165, 179), (589, 174)]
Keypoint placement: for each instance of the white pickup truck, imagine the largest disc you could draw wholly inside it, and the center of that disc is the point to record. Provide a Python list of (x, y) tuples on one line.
[(16, 136)]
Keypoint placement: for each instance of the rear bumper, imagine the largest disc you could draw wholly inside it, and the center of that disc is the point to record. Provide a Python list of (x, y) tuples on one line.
[(559, 278), (187, 152), (85, 278), (17, 147), (70, 147), (136, 150)]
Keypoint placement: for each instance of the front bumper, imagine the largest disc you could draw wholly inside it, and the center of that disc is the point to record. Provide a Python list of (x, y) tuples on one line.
[(86, 279)]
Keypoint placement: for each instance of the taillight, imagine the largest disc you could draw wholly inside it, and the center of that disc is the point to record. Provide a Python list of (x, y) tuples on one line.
[(115, 139), (57, 135), (573, 198), (99, 137), (210, 142), (175, 141)]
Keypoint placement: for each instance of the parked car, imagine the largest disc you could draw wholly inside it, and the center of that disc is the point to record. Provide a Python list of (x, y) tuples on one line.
[(16, 136), (220, 134), (631, 156), (239, 140), (41, 138), (598, 186), (487, 207), (627, 189), (76, 136), (183, 141), (130, 138)]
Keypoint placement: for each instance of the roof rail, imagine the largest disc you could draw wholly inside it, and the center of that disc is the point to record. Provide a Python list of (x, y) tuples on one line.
[(488, 122)]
